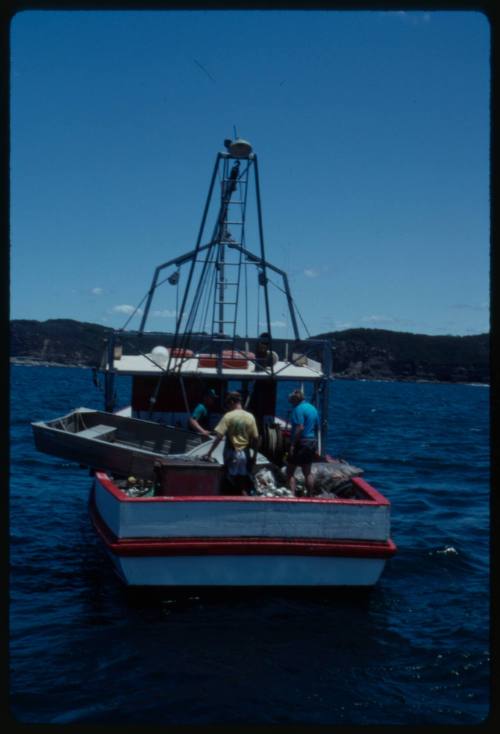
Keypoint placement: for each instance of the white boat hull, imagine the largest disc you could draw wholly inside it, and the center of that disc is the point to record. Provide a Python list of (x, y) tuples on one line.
[(237, 570), (243, 541)]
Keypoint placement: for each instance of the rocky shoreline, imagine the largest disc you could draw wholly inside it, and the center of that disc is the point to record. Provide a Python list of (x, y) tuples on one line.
[(33, 362)]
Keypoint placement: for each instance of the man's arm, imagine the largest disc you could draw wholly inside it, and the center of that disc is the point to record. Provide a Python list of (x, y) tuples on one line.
[(220, 431), (298, 427), (215, 443), (299, 430), (253, 445), (195, 426)]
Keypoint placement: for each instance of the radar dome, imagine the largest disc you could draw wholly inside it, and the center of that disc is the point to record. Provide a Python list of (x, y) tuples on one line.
[(240, 148), (160, 351), (159, 355)]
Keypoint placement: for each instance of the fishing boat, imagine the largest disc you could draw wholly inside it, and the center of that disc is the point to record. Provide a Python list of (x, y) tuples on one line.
[(166, 516)]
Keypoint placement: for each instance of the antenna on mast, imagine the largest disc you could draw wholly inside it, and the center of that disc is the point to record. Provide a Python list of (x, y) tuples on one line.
[(235, 133)]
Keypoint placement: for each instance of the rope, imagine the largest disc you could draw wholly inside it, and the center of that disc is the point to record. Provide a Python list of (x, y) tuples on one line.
[(203, 323), (184, 396), (246, 301), (133, 313), (185, 338), (294, 303), (181, 340), (300, 317), (258, 310), (237, 298)]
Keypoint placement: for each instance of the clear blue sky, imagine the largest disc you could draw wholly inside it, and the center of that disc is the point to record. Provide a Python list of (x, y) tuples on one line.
[(372, 134)]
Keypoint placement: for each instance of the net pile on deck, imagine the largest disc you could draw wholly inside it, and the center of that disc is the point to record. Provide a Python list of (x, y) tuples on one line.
[(330, 480)]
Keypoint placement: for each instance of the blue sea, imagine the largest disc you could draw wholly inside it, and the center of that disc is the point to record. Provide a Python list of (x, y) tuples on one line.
[(414, 650)]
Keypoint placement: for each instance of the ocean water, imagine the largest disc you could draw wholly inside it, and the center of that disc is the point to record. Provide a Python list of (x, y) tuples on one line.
[(414, 650)]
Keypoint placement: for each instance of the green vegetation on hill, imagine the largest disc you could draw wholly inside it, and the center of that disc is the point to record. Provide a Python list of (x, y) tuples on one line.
[(63, 341), (402, 355), (420, 347)]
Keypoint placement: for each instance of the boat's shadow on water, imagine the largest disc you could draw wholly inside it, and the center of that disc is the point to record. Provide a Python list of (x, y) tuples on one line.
[(103, 583), (185, 597)]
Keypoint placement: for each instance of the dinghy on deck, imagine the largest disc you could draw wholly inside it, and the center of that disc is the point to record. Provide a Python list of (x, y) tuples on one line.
[(125, 446), (102, 440)]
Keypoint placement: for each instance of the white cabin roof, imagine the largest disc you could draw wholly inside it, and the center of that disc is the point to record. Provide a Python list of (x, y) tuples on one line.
[(139, 364)]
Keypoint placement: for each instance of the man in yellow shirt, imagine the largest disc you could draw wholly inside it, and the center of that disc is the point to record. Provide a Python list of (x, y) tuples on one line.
[(241, 433)]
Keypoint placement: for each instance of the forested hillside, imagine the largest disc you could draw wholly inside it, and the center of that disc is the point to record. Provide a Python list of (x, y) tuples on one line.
[(357, 353)]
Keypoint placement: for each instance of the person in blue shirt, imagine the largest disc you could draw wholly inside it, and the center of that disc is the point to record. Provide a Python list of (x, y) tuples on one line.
[(199, 418), (304, 445)]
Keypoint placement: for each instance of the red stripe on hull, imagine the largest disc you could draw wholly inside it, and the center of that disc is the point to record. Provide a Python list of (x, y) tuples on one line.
[(373, 497), (237, 546)]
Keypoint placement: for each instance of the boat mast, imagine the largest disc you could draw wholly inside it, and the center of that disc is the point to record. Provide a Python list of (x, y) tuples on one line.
[(225, 252), (232, 181)]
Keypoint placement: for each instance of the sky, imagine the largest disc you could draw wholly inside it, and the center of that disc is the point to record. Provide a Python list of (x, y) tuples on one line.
[(371, 130)]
